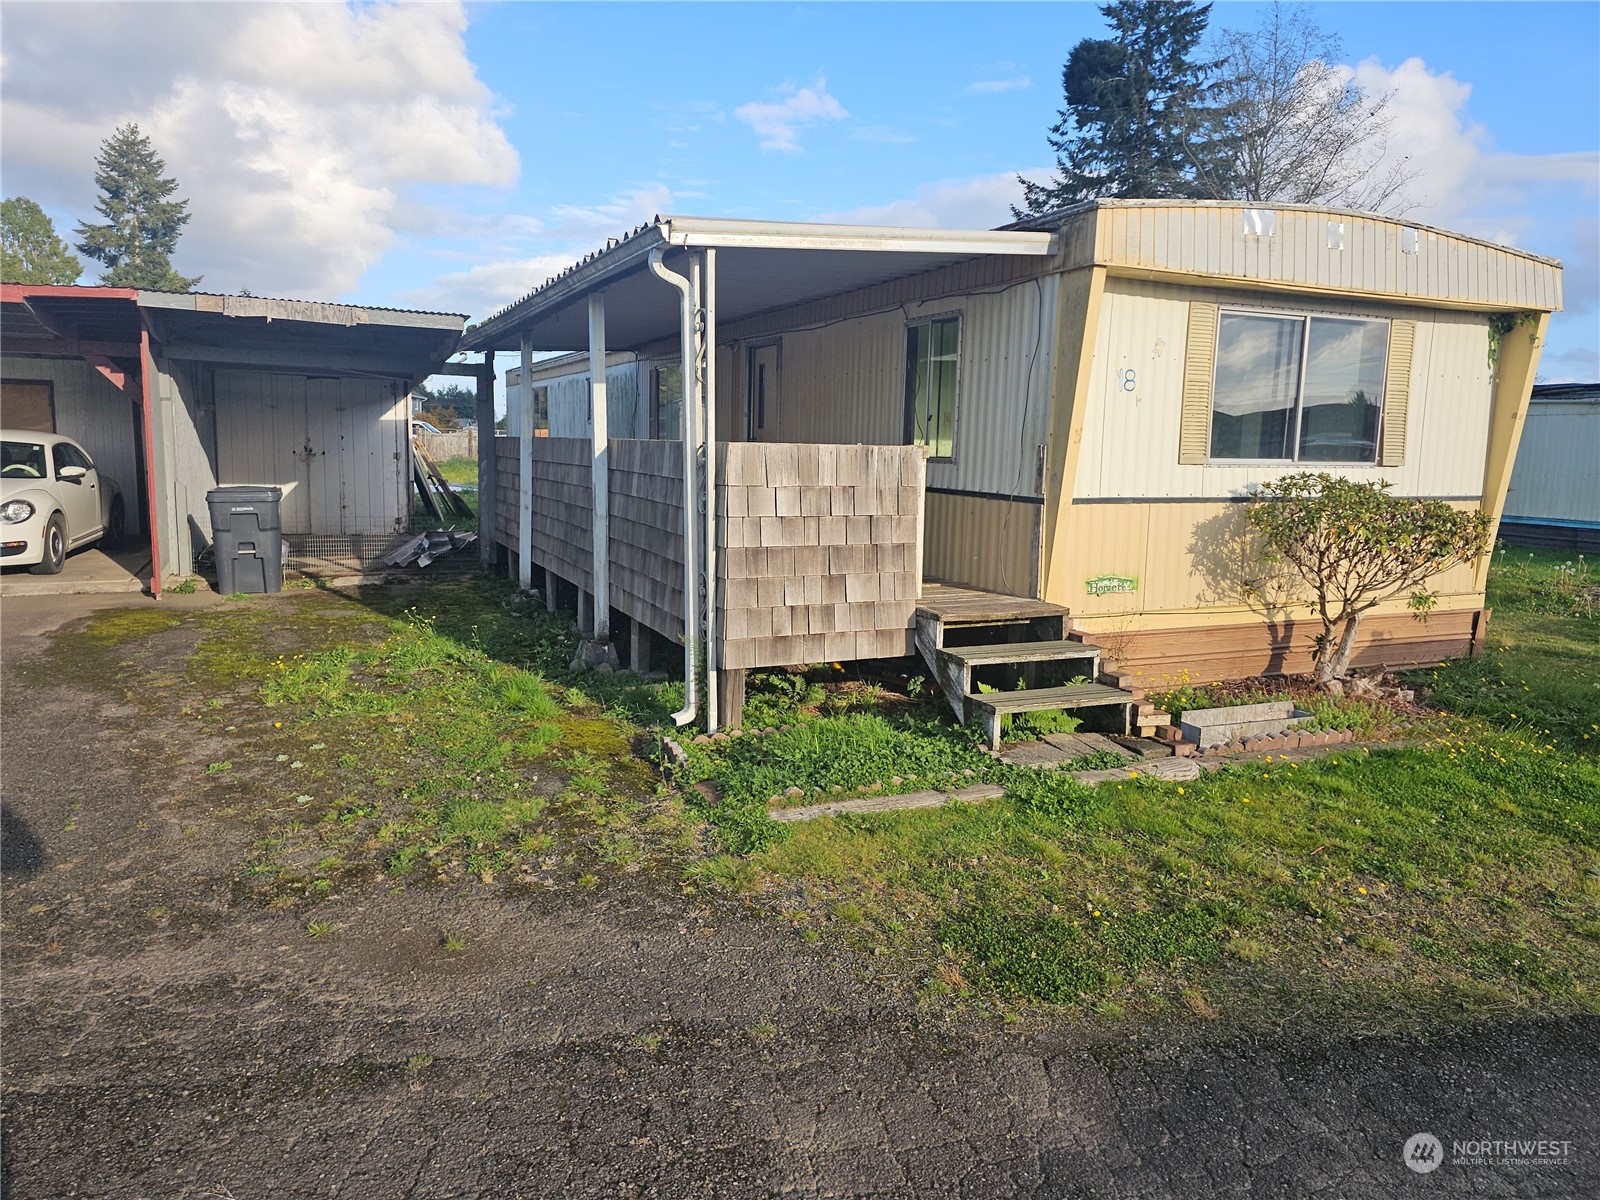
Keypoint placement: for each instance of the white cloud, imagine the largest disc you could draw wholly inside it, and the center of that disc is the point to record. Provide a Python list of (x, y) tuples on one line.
[(1544, 203), (296, 132), (488, 287), (979, 203), (1015, 83), (779, 125), (612, 218), (575, 230)]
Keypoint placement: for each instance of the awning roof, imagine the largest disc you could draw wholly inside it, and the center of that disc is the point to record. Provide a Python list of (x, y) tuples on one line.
[(763, 265), (241, 331)]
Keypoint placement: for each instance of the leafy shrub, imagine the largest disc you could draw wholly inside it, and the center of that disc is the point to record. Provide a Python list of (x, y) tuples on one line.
[(851, 751)]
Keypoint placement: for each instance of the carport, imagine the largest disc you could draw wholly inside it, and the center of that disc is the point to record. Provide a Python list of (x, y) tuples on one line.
[(175, 394)]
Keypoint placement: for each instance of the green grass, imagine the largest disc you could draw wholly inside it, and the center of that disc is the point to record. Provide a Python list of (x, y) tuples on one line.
[(1458, 876), (459, 470), (435, 741)]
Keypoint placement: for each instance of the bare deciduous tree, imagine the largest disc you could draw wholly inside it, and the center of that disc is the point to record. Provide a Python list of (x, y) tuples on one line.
[(1295, 126)]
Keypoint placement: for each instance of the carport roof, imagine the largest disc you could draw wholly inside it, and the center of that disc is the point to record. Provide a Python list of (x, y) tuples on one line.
[(243, 331), (764, 265)]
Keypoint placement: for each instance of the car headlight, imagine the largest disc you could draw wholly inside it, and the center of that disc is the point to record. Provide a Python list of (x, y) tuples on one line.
[(15, 511)]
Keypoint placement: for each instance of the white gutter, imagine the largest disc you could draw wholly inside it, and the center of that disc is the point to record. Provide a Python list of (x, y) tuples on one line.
[(708, 232), (691, 596)]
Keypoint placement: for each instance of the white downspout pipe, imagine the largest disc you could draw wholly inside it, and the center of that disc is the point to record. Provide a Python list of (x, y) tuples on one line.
[(708, 279), (691, 590)]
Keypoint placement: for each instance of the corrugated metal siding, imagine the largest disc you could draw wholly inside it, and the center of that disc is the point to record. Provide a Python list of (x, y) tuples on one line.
[(845, 382), (1557, 474), (1131, 435), (93, 413), (626, 416), (1211, 240), (991, 544), (338, 448)]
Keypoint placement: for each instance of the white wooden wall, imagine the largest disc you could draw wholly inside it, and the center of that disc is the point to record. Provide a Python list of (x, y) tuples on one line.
[(93, 412), (338, 448)]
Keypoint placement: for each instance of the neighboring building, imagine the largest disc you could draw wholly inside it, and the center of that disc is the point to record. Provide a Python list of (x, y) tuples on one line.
[(643, 397), (1090, 396), (175, 394), (1555, 487)]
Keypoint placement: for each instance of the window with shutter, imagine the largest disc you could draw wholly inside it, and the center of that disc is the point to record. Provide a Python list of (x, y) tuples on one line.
[(1194, 439), (1397, 392)]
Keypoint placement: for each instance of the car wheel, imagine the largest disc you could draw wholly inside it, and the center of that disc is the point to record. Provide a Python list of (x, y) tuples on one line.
[(116, 528), (55, 547)]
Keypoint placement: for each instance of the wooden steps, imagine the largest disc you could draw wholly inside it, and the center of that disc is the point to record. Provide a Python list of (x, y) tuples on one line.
[(988, 707), (1026, 652)]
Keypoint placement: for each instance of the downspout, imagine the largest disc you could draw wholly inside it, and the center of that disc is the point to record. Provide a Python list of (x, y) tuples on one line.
[(146, 370), (691, 598), (708, 278)]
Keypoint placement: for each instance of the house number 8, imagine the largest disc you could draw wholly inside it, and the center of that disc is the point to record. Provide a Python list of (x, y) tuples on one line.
[(1129, 379)]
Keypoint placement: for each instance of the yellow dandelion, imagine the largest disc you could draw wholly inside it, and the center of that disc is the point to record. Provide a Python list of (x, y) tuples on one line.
[(1362, 890)]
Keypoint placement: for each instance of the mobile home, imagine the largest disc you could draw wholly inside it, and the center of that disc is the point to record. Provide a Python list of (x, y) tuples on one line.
[(917, 438)]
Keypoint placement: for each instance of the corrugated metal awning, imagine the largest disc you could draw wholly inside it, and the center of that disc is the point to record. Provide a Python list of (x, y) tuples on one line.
[(761, 266)]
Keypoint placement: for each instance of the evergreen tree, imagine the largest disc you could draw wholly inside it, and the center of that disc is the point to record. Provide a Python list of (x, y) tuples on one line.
[(1134, 124), (30, 251), (143, 222)]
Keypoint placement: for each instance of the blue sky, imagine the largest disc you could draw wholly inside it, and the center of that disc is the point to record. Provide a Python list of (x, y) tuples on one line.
[(453, 158)]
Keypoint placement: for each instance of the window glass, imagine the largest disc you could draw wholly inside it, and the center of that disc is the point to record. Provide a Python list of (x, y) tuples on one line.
[(933, 353), (1258, 376), (541, 411), (666, 410), (22, 460), (1343, 390)]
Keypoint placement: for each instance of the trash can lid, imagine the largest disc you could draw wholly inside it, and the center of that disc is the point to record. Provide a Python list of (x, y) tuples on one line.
[(245, 494)]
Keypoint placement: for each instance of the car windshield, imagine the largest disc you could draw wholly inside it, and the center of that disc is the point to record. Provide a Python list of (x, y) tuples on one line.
[(22, 460)]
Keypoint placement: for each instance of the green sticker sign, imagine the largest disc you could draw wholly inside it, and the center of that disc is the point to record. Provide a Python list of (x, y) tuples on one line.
[(1105, 585)]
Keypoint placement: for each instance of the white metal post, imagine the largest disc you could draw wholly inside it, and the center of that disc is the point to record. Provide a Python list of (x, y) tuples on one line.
[(708, 342), (524, 469), (602, 469)]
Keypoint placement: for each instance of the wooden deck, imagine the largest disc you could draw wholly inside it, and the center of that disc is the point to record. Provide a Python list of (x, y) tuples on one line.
[(954, 605)]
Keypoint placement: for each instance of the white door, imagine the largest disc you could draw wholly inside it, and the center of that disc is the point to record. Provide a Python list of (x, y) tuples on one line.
[(763, 394), (80, 497), (326, 435)]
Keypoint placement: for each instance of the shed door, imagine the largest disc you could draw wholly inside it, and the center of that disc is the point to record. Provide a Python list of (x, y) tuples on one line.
[(328, 460), (763, 394)]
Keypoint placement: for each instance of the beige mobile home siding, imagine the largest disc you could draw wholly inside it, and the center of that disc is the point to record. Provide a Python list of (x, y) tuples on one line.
[(1211, 240), (1131, 436), (338, 448), (845, 382)]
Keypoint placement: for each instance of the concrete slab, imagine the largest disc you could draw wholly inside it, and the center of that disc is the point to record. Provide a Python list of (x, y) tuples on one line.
[(869, 804), (86, 572)]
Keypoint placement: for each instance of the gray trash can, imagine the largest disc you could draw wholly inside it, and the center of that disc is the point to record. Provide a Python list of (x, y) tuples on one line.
[(247, 538)]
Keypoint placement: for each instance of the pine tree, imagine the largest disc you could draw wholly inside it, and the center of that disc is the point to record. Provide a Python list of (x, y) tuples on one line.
[(30, 251), (1135, 118), (143, 222)]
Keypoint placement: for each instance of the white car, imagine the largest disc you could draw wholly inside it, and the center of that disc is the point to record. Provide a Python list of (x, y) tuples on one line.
[(53, 500)]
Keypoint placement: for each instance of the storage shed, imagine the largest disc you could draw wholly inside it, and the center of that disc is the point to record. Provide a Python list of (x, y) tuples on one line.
[(1090, 397), (175, 394), (1555, 487)]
